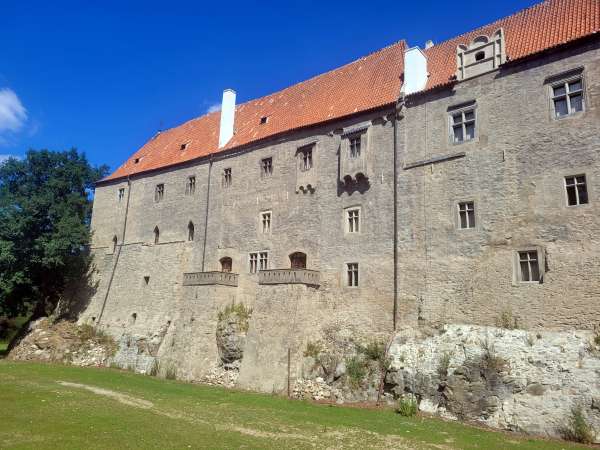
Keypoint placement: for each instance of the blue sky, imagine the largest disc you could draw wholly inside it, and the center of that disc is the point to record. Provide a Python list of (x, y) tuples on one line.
[(104, 76)]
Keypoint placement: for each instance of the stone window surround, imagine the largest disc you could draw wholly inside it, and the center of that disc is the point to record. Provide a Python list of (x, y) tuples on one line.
[(541, 258), (190, 185), (264, 175), (261, 219), (462, 107), (346, 222), (121, 194), (159, 192), (561, 78), (575, 171), (346, 270), (300, 154)]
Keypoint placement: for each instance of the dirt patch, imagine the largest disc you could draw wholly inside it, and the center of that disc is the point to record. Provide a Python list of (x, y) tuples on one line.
[(121, 398)]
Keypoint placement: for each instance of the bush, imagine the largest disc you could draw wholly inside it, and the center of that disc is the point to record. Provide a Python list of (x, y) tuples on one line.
[(87, 332), (407, 406), (489, 359), (507, 320), (313, 349), (241, 311), (375, 351), (577, 428), (444, 364), (356, 371)]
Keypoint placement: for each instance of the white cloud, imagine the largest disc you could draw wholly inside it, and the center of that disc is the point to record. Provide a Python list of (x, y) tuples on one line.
[(13, 114), (213, 108), (4, 158)]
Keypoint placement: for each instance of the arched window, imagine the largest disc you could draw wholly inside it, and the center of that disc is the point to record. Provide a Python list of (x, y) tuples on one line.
[(298, 260), (156, 235), (226, 264), (190, 231), (114, 244)]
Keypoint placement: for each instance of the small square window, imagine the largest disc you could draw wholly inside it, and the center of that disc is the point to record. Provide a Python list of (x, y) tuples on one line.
[(463, 125), (159, 192), (183, 146), (265, 220), (352, 274), (529, 266), (266, 166), (190, 187), (466, 215), (576, 188), (354, 145), (263, 120), (567, 97), (227, 177), (353, 220), (121, 194)]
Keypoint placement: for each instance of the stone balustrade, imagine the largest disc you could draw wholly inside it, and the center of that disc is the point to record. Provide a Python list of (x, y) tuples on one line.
[(289, 276), (208, 278)]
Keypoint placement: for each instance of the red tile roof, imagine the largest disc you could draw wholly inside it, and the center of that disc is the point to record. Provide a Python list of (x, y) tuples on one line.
[(368, 83)]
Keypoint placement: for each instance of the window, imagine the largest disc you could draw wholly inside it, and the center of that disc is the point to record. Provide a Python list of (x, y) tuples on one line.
[(183, 146), (529, 268), (227, 177), (121, 193), (353, 220), (466, 215), (190, 231), (259, 261), (266, 167), (567, 97), (265, 220), (306, 158), (159, 192), (354, 143), (263, 120), (156, 235), (576, 190), (298, 260), (352, 271), (253, 262), (190, 187), (226, 264), (263, 261), (463, 125), (479, 56), (114, 241), (136, 160)]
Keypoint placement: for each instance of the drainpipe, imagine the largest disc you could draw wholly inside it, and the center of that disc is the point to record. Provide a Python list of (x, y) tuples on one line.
[(114, 268), (396, 115), (210, 163)]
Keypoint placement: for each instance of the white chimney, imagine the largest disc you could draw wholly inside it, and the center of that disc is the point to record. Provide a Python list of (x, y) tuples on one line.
[(428, 44), (227, 117), (415, 71)]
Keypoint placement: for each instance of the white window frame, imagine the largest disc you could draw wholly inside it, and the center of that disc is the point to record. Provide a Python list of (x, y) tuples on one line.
[(121, 194), (257, 261), (190, 186), (585, 184), (463, 123), (353, 153), (253, 262), (263, 260), (159, 192), (349, 226), (264, 173), (227, 177), (352, 274), (466, 211), (564, 82), (265, 221), (517, 273)]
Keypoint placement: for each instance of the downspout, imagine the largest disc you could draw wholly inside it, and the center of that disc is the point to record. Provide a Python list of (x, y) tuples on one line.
[(210, 163), (397, 114), (119, 247)]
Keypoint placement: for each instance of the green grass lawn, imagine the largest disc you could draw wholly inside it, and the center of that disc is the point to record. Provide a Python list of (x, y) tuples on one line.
[(53, 406)]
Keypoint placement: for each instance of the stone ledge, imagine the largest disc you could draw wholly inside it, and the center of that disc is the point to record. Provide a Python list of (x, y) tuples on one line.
[(209, 278), (289, 276)]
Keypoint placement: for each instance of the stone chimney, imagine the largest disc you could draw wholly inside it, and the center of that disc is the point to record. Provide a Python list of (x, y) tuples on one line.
[(415, 71), (227, 117)]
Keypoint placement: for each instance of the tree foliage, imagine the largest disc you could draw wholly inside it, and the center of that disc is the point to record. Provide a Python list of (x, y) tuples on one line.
[(45, 210)]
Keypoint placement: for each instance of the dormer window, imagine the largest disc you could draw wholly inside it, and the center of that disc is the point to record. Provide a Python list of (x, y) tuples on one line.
[(183, 146), (263, 120), (483, 54), (136, 160)]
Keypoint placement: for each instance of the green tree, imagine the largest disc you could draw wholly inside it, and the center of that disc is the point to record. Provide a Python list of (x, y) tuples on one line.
[(45, 210)]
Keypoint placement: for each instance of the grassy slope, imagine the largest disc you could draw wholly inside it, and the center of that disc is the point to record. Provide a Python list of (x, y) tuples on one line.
[(38, 412)]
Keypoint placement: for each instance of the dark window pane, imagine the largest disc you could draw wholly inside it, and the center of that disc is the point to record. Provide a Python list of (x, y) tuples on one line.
[(471, 219), (458, 133), (576, 103), (470, 115), (524, 271), (457, 118), (463, 219), (583, 197), (535, 271), (580, 179), (559, 90), (470, 129), (571, 196), (560, 107), (575, 86)]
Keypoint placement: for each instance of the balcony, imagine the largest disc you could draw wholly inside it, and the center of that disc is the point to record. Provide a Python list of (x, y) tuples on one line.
[(290, 276), (210, 278)]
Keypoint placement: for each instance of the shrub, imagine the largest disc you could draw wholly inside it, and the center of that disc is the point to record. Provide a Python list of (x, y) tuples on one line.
[(87, 332), (444, 364), (313, 349), (241, 311), (577, 428), (407, 406), (489, 359), (356, 370), (507, 320), (375, 351), (171, 372)]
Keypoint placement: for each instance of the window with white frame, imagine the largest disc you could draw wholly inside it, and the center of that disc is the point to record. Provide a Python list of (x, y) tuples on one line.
[(576, 188), (265, 222), (263, 261), (159, 192), (528, 269), (121, 194), (266, 167), (352, 274), (253, 261), (462, 125), (190, 187), (354, 143), (227, 177), (567, 97), (353, 220), (466, 215), (305, 155)]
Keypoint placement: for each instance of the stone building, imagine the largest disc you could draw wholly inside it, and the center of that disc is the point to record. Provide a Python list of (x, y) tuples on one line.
[(410, 188)]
